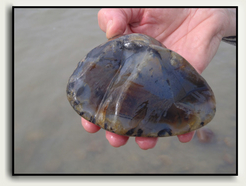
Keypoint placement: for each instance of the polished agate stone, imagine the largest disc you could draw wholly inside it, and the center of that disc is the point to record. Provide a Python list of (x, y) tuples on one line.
[(134, 86)]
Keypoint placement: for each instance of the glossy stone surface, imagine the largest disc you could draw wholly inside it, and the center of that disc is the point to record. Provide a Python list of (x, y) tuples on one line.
[(134, 86)]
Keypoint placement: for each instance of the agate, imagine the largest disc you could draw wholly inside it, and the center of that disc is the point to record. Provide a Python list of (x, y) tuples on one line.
[(135, 86)]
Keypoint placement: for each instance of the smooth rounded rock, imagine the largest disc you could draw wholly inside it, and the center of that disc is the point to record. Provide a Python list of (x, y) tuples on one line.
[(135, 86)]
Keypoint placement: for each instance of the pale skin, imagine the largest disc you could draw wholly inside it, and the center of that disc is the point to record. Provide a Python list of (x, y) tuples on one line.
[(193, 33)]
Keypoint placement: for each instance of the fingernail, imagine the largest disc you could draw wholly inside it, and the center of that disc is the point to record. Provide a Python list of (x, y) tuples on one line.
[(109, 24)]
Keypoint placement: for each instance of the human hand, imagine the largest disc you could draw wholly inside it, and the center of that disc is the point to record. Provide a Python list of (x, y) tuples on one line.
[(193, 33), (143, 142)]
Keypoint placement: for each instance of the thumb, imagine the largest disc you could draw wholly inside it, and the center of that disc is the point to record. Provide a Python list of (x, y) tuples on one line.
[(112, 21)]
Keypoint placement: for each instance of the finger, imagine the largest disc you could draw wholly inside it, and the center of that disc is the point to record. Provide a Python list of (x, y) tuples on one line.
[(112, 21), (146, 142), (116, 140), (118, 21), (184, 138), (89, 127)]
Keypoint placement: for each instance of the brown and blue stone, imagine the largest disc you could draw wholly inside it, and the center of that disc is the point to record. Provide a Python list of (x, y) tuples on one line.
[(135, 86)]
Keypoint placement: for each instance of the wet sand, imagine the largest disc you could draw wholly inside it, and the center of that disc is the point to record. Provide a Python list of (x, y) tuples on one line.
[(49, 137)]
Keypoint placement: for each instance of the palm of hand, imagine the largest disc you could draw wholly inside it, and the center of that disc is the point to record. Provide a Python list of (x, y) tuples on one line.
[(185, 31)]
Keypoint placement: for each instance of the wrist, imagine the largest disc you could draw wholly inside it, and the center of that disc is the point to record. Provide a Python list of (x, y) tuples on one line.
[(230, 27)]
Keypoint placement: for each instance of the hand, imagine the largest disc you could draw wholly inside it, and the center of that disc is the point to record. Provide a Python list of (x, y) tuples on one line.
[(193, 33)]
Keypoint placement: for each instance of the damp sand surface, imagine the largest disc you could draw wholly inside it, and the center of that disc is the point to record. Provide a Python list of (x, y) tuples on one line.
[(48, 135)]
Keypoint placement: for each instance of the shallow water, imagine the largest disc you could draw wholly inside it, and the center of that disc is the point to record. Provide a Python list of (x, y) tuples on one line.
[(49, 137)]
